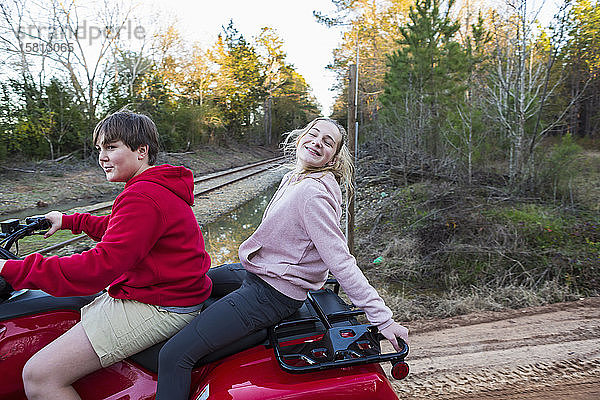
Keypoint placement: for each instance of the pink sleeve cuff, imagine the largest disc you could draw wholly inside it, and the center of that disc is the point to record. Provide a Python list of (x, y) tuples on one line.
[(385, 324)]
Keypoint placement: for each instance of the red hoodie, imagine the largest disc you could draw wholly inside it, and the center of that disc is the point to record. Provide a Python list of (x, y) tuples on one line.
[(150, 248)]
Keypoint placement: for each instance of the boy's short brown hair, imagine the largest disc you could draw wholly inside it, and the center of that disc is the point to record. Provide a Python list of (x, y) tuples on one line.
[(133, 129)]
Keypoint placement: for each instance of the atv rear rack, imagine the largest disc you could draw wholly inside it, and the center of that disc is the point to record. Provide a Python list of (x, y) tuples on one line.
[(325, 334)]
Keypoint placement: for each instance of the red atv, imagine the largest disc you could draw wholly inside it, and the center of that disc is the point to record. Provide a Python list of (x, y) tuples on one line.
[(320, 352)]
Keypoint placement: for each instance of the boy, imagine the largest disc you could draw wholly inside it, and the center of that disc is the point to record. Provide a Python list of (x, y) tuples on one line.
[(150, 254)]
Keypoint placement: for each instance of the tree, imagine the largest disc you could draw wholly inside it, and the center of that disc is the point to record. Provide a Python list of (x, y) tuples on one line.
[(273, 59), (59, 84), (288, 102), (6, 119), (293, 103), (130, 69), (205, 117), (466, 133), (372, 32), (63, 41), (519, 86), (38, 123), (426, 77), (32, 122), (582, 59), (199, 77), (240, 89), (68, 126)]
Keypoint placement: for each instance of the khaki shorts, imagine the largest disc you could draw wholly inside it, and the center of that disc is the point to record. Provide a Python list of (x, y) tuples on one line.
[(119, 328)]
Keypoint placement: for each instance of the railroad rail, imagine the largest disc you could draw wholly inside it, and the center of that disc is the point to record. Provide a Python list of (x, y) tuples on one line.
[(202, 185)]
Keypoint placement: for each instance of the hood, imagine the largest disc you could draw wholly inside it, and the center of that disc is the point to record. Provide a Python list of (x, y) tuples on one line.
[(327, 179), (178, 180)]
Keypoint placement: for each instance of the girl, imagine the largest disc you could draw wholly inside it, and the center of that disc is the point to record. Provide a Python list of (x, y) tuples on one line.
[(150, 255), (297, 243)]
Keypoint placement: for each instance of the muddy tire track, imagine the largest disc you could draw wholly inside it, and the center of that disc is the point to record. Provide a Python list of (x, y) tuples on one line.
[(538, 353)]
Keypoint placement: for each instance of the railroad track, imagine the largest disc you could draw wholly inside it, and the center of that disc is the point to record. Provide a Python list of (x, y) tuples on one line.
[(202, 185)]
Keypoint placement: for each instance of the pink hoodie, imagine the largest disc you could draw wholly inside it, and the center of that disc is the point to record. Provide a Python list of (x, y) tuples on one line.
[(299, 241)]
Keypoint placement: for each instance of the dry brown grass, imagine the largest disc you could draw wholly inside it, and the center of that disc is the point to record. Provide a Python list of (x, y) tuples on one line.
[(450, 248)]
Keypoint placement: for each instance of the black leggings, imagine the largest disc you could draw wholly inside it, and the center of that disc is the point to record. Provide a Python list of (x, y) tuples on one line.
[(247, 308)]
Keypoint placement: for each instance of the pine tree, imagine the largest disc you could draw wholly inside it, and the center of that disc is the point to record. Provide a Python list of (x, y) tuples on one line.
[(239, 81), (426, 77)]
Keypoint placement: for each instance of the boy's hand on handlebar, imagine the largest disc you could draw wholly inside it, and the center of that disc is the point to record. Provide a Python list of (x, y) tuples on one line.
[(393, 331), (55, 219)]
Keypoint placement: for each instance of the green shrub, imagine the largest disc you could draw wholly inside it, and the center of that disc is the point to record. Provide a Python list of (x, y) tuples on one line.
[(558, 169)]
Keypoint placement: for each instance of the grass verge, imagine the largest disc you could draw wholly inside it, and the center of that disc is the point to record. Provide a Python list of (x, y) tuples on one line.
[(439, 249)]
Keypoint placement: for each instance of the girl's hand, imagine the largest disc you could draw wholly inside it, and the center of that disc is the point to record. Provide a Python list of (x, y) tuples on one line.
[(55, 219), (392, 332)]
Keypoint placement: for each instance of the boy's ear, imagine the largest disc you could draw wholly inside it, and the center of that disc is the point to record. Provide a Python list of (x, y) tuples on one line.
[(142, 151)]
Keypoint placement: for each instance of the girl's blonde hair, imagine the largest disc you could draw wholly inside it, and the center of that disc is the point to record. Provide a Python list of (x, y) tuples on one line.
[(342, 166)]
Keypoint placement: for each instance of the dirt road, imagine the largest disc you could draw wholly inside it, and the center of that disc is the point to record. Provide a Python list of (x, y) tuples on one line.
[(549, 352)]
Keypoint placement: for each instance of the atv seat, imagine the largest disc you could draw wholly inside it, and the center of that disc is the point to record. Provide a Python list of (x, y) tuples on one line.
[(149, 357), (32, 302), (36, 301)]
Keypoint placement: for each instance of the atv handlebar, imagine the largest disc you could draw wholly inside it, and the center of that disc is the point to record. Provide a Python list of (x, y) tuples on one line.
[(12, 230)]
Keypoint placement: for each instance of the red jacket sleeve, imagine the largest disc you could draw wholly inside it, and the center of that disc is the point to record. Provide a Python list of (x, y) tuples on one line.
[(91, 225), (132, 231)]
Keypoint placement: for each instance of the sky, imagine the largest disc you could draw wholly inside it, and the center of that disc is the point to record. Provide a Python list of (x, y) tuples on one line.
[(308, 44)]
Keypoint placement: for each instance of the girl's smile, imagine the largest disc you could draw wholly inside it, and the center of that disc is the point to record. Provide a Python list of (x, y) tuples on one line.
[(319, 145)]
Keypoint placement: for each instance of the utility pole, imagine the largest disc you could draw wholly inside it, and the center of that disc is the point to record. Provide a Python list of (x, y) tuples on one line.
[(267, 119), (352, 146)]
